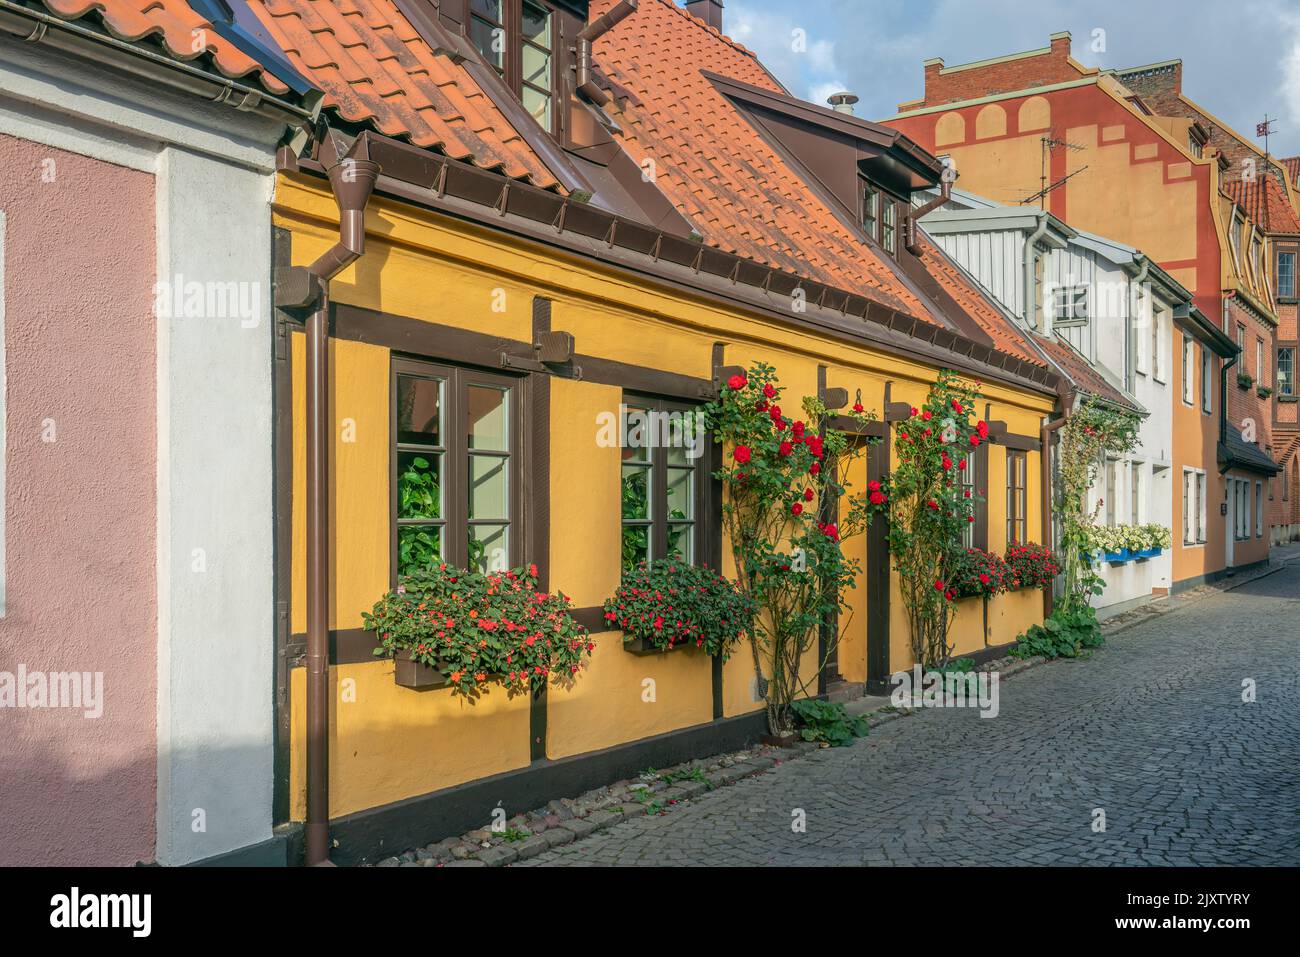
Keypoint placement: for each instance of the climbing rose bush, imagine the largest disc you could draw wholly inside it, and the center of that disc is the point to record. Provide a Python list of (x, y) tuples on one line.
[(669, 604), (480, 628), (928, 509), (779, 476)]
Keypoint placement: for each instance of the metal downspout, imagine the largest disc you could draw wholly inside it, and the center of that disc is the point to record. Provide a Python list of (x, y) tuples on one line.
[(352, 181), (597, 28), (1045, 474), (1030, 242)]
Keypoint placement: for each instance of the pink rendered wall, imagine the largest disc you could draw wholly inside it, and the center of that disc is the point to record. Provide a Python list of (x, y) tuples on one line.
[(79, 511)]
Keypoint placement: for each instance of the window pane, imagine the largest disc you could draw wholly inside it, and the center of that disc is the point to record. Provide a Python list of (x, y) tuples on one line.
[(537, 67), (489, 8), (636, 545), (538, 105), (489, 547), (637, 438), (419, 485), (419, 410), (537, 24), (685, 439), (636, 491), (489, 39), (1285, 371), (489, 488), (418, 546), (680, 542), (681, 483), (487, 409)]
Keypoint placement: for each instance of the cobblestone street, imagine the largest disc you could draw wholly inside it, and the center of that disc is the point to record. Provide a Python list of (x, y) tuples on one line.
[(1151, 729)]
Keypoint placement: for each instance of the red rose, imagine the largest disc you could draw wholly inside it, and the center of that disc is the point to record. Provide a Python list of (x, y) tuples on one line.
[(956, 406), (760, 406), (873, 486), (815, 468), (857, 406), (947, 464), (974, 440), (877, 498), (807, 495), (775, 413), (982, 428), (961, 464), (914, 410), (927, 415), (984, 579), (796, 508), (970, 518), (741, 454), (799, 428), (769, 390), (737, 382), (950, 595), (786, 448), (938, 586), (932, 504)]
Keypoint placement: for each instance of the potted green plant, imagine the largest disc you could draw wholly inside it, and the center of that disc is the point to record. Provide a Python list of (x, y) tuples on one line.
[(1244, 380), (1263, 392)]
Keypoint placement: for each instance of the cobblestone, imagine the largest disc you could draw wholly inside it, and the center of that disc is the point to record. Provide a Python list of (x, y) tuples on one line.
[(1152, 730)]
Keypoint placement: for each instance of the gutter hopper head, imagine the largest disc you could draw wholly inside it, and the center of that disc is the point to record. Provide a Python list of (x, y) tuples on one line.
[(842, 102), (353, 180)]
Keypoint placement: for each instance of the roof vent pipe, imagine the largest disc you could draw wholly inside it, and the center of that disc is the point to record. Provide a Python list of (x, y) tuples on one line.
[(842, 102), (596, 28), (710, 11)]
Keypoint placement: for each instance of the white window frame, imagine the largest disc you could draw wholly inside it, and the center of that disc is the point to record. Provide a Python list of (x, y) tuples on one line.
[(1259, 509), (1207, 387), (1189, 377), (1157, 327), (1261, 374), (1193, 507)]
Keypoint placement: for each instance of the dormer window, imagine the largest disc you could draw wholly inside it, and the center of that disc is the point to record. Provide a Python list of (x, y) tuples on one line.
[(879, 215), (870, 208), (517, 38)]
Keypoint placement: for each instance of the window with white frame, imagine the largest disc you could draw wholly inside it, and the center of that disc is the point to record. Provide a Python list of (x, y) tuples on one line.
[(1286, 275), (1135, 492), (1069, 306), (1112, 472), (1261, 375), (1207, 387), (1188, 380), (1286, 371), (1259, 509), (1193, 507), (1157, 360)]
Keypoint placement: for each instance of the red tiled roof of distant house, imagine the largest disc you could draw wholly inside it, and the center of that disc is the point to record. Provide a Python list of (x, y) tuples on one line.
[(174, 23), (714, 166), (1265, 203), (375, 68), (1292, 166)]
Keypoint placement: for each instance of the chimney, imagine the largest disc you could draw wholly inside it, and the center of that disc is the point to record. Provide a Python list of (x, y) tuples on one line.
[(710, 11), (1060, 44), (842, 102)]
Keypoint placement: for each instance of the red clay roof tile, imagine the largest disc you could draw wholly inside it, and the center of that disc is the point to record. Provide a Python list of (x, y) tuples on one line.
[(375, 68), (174, 23), (713, 165), (1265, 202)]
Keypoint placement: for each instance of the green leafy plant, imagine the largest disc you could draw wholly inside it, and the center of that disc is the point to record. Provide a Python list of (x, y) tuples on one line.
[(1066, 633), (824, 721), (418, 496), (1244, 380), (669, 604), (513, 834), (478, 628), (1092, 431), (928, 509), (788, 557), (1263, 391)]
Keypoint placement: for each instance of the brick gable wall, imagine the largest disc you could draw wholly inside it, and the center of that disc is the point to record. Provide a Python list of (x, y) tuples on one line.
[(1024, 73)]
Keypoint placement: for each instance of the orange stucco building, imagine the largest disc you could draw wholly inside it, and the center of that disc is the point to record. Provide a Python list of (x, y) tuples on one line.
[(1041, 129)]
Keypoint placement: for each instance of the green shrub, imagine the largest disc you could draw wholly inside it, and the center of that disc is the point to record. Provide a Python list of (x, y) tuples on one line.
[(823, 721), (1063, 635)]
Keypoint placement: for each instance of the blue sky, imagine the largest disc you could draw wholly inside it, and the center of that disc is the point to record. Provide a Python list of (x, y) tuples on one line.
[(1240, 59)]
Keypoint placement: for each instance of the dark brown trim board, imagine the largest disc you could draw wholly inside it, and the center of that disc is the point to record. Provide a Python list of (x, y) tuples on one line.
[(371, 835), (286, 651)]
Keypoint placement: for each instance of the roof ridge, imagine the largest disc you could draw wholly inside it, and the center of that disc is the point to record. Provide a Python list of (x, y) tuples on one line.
[(714, 30)]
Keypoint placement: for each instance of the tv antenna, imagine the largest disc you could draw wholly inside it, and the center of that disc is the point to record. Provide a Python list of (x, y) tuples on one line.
[(1050, 143)]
